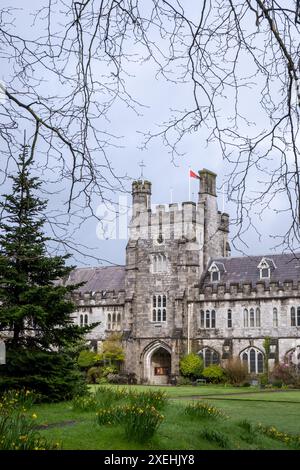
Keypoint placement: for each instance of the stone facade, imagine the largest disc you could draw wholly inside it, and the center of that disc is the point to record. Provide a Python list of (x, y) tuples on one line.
[(180, 291)]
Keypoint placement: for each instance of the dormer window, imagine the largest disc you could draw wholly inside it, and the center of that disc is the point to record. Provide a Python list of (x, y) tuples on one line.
[(265, 273), (215, 270), (215, 276), (265, 268)]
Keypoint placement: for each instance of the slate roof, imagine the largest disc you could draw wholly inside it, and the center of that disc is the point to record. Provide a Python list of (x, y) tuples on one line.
[(106, 278), (244, 269)]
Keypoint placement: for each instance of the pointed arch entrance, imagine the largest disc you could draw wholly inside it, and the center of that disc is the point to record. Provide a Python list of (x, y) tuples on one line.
[(157, 363)]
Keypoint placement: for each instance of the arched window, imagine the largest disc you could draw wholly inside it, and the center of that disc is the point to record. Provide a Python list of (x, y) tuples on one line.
[(275, 317), (293, 316), (251, 317), (114, 321), (109, 321), (81, 320), (245, 318), (257, 317), (254, 360), (86, 319), (292, 357), (209, 356), (119, 321)]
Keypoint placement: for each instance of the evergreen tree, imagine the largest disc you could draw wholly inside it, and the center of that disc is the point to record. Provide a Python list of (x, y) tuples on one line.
[(35, 309)]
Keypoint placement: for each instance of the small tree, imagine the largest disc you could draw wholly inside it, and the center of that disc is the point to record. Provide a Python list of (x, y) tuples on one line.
[(266, 345), (191, 366), (35, 309), (112, 351), (87, 359)]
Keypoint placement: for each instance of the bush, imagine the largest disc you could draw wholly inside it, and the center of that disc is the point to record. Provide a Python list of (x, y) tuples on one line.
[(183, 381), (93, 375), (214, 374), (105, 370), (284, 374), (191, 366), (236, 372), (204, 411), (87, 359), (264, 380), (53, 375), (118, 379)]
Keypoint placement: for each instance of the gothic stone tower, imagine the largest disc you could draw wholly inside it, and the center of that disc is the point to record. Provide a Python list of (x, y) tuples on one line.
[(168, 249)]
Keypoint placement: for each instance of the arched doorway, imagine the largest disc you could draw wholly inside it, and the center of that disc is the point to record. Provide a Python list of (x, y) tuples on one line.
[(158, 364)]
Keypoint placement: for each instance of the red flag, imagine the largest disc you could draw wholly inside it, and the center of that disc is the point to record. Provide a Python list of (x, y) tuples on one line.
[(193, 174)]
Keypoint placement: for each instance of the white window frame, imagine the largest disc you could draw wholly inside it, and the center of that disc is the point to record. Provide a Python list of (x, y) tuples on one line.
[(247, 352), (208, 319), (252, 317)]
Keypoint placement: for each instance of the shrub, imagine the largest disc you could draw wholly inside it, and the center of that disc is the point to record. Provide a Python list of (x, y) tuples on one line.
[(154, 398), (264, 380), (236, 372), (191, 366), (87, 359), (183, 381), (214, 374), (53, 375), (218, 437), (118, 379), (105, 370), (203, 411), (93, 375), (285, 374)]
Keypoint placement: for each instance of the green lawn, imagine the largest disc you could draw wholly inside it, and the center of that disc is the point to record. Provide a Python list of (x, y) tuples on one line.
[(188, 390), (79, 430)]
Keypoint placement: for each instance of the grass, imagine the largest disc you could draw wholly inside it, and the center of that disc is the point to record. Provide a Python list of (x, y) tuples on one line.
[(186, 390), (178, 430)]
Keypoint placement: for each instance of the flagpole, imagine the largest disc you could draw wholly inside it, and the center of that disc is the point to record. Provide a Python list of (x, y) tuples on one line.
[(189, 184), (223, 196)]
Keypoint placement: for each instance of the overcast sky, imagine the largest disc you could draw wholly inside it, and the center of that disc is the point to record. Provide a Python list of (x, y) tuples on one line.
[(167, 176)]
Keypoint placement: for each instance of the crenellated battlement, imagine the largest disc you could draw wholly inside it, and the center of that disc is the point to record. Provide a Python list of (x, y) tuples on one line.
[(102, 298), (246, 290)]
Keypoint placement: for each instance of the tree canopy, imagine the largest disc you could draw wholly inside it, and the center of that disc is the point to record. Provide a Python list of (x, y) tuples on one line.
[(239, 59)]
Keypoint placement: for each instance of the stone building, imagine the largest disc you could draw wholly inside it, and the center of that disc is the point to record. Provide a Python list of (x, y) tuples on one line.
[(180, 291)]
